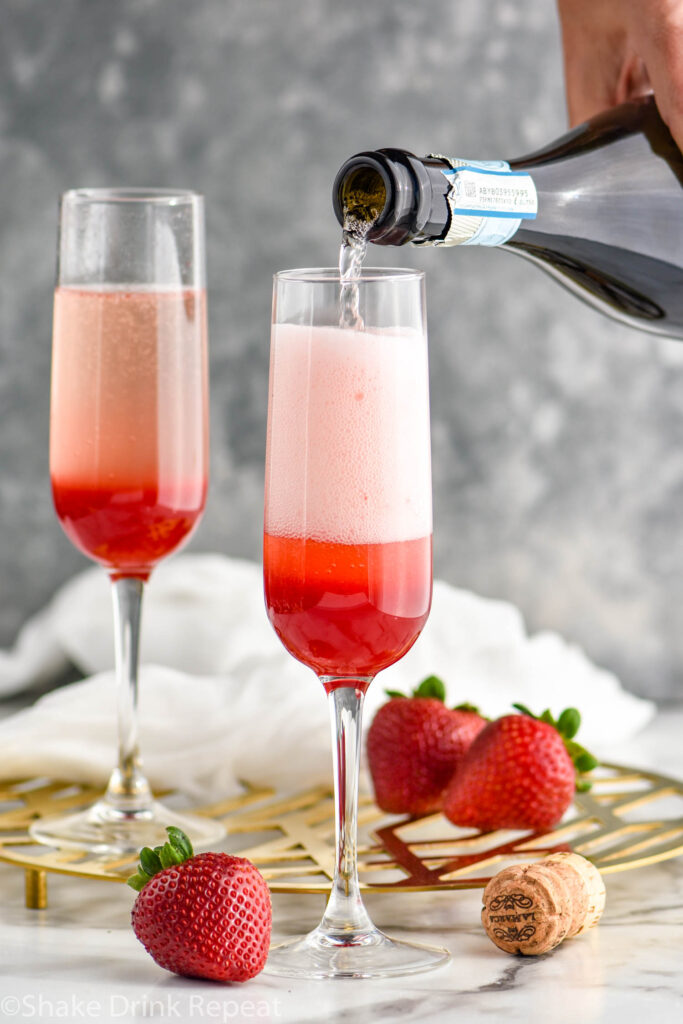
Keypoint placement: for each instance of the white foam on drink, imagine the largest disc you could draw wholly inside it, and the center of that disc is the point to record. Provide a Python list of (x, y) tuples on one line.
[(348, 452)]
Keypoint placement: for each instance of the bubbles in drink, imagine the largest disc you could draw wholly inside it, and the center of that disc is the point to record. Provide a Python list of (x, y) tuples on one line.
[(340, 402), (351, 256)]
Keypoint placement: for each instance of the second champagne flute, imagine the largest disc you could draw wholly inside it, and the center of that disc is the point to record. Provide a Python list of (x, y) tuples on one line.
[(129, 445), (348, 543)]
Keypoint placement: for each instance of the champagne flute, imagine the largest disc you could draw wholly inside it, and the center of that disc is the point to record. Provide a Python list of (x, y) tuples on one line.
[(348, 543), (128, 445)]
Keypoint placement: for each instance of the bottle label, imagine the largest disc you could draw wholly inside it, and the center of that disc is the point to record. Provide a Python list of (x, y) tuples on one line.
[(488, 201)]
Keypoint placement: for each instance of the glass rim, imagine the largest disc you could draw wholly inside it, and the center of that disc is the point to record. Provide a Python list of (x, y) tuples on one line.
[(167, 196), (326, 275)]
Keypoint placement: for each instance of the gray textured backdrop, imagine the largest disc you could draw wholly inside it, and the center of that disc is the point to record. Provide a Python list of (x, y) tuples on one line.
[(558, 463)]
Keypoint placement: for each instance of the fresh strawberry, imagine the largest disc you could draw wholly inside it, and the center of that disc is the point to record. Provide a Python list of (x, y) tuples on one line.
[(205, 915), (414, 746), (520, 773)]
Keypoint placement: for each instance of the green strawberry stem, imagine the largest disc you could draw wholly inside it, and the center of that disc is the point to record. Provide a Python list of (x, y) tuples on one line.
[(433, 687), (177, 850), (568, 725)]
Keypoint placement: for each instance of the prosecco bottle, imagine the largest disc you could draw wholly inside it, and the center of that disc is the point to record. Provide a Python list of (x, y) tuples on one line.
[(601, 209)]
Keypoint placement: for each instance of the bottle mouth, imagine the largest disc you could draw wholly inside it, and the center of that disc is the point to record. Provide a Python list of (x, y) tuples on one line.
[(390, 192), (362, 194)]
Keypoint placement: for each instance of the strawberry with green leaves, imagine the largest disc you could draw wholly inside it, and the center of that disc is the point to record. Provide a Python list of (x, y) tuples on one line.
[(520, 773), (414, 746), (204, 916)]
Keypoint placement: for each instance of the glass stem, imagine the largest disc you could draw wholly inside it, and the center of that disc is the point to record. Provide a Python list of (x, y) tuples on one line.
[(345, 915), (128, 791)]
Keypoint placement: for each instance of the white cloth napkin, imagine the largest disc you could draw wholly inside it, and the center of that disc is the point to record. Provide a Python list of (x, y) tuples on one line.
[(221, 700)]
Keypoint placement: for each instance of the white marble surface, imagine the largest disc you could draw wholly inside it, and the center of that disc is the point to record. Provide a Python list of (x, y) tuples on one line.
[(79, 960)]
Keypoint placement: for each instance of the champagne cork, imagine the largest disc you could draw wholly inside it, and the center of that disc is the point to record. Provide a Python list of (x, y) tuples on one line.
[(575, 894), (592, 879), (532, 908)]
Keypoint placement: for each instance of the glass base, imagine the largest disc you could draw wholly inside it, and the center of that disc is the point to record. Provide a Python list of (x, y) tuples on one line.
[(106, 831), (367, 954)]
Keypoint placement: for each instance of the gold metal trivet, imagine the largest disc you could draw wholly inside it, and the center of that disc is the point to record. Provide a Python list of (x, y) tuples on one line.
[(291, 839)]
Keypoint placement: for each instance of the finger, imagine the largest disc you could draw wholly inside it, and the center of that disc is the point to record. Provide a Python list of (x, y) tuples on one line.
[(591, 84), (593, 61), (663, 55), (634, 80)]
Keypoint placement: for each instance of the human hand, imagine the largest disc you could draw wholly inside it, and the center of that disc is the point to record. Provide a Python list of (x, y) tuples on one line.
[(615, 50)]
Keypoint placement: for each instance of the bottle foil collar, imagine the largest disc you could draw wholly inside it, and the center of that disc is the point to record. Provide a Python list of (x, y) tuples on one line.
[(487, 200)]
